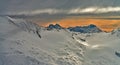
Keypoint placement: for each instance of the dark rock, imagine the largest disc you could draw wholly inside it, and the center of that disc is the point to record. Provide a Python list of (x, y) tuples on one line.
[(86, 29), (56, 26), (117, 54)]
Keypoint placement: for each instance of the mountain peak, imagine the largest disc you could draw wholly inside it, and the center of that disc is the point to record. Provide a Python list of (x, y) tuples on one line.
[(83, 29), (92, 26), (56, 26), (86, 29)]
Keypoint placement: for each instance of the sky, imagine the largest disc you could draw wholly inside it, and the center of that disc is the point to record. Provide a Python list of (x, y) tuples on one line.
[(104, 24), (103, 13)]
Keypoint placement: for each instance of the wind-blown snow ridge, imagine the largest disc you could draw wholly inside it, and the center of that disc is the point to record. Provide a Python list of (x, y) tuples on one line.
[(83, 43), (26, 25), (87, 44)]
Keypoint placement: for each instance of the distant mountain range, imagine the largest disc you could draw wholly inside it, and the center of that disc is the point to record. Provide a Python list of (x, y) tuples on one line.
[(83, 29)]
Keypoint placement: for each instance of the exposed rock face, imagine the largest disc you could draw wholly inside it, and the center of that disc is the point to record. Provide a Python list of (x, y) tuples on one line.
[(85, 29), (56, 26)]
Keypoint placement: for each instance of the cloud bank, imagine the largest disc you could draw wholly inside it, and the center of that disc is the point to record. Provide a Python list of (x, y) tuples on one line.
[(33, 7), (51, 11)]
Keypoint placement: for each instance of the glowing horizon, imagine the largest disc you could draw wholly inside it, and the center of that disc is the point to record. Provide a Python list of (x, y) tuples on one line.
[(103, 24)]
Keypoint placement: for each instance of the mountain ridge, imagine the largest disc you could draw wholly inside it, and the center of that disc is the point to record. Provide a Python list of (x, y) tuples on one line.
[(82, 29)]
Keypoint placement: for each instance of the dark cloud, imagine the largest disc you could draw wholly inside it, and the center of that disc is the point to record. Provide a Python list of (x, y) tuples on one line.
[(58, 9), (26, 5)]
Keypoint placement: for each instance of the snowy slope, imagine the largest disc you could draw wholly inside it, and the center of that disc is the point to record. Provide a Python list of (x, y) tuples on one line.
[(21, 47), (102, 49), (25, 43)]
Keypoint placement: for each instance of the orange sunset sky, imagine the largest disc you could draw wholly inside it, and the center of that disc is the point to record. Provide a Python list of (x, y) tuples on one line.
[(104, 24)]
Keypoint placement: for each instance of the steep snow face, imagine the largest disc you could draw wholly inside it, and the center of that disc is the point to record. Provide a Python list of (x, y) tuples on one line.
[(85, 29), (24, 25), (18, 46)]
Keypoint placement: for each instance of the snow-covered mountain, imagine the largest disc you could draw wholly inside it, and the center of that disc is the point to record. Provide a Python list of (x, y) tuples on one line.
[(25, 43), (21, 45), (82, 29), (85, 29)]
